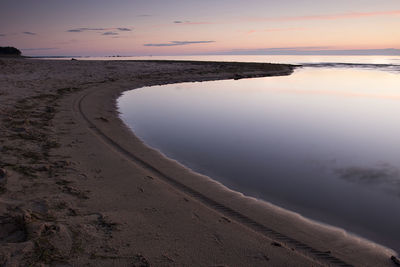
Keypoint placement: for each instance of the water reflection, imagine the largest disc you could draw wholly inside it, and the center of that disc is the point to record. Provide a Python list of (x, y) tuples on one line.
[(323, 142)]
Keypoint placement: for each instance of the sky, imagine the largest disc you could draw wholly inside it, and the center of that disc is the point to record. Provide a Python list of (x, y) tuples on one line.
[(191, 27)]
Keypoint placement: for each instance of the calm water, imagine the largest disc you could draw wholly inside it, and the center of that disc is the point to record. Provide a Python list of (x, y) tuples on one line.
[(324, 141)]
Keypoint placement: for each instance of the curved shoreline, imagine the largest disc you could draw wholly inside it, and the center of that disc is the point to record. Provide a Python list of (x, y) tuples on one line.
[(211, 203), (250, 205), (126, 105), (111, 189)]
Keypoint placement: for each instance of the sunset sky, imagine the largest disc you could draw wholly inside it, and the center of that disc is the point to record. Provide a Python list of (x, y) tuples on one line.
[(181, 27)]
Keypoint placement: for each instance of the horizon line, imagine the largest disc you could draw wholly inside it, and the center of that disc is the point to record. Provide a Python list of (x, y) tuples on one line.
[(260, 52)]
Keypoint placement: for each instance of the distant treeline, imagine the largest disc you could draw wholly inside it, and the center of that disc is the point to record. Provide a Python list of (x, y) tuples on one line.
[(9, 51)]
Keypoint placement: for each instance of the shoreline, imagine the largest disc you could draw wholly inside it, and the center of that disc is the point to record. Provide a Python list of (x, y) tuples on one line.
[(144, 135), (240, 195), (101, 148), (209, 178)]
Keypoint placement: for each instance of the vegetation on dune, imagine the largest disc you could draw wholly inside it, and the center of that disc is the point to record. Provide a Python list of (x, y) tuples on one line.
[(9, 51)]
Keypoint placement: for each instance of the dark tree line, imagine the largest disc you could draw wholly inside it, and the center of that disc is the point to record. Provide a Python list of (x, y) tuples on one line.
[(9, 51)]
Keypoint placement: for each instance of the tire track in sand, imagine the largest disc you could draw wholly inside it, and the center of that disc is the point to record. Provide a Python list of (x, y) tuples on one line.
[(291, 243)]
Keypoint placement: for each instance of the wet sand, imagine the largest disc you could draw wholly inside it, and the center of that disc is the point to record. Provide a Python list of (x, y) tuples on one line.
[(77, 187)]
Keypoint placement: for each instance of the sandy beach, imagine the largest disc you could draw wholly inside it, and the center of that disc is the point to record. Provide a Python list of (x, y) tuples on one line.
[(78, 188)]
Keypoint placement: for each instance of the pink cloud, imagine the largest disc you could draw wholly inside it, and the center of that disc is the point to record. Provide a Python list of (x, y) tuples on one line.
[(276, 30), (198, 23), (192, 22), (335, 16), (284, 29)]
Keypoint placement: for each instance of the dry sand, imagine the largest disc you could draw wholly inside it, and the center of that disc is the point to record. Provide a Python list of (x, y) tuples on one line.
[(78, 188)]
